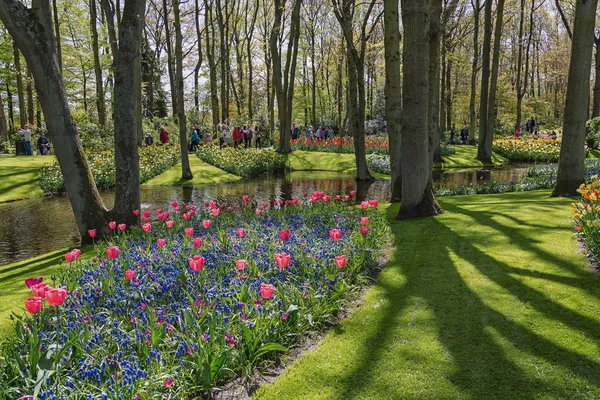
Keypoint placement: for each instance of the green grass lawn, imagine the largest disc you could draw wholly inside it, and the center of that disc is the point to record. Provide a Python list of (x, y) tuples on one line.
[(465, 158), (19, 177), (491, 300), (14, 292), (301, 160), (203, 173)]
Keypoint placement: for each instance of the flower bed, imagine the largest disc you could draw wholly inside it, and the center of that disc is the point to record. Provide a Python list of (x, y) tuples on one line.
[(242, 162), (528, 149), (174, 309), (373, 144), (154, 160), (381, 162), (586, 214)]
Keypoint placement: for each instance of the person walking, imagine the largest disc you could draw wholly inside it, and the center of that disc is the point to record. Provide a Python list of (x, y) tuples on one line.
[(195, 139), (225, 136), (26, 133), (257, 136), (163, 136), (247, 136)]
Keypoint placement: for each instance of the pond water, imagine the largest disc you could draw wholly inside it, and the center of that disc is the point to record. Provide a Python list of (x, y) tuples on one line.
[(33, 227)]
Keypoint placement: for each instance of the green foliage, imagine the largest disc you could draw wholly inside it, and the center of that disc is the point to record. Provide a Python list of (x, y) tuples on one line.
[(528, 149), (242, 162), (593, 136)]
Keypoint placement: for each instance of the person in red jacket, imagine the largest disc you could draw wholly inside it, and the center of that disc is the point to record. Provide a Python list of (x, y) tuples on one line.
[(164, 136), (237, 135)]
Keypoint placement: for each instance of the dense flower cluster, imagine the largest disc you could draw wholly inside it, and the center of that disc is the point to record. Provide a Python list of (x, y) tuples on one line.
[(373, 144), (528, 149), (586, 214), (154, 160), (242, 162), (162, 313)]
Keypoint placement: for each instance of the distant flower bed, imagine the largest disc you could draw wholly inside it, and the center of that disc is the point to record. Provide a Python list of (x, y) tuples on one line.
[(154, 160), (528, 149), (381, 162), (242, 162), (586, 215), (373, 144), (194, 297)]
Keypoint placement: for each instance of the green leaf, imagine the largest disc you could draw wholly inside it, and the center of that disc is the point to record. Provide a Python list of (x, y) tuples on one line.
[(268, 348), (46, 361)]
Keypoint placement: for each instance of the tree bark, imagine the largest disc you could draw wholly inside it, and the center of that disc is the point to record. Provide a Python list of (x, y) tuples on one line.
[(212, 68), (100, 104), (57, 34), (186, 172), (417, 194), (393, 93), (571, 161), (30, 100), (199, 63), (20, 94), (485, 81), (474, 68), (437, 109), (170, 59), (596, 102), (3, 123)]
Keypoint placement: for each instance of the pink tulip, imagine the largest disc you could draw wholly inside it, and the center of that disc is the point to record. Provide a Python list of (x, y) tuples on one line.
[(196, 263), (284, 235), (145, 219), (31, 282), (112, 252), (364, 205), (266, 290), (374, 203), (177, 209), (129, 274), (174, 203), (197, 242), (241, 265), (169, 382), (69, 257), (39, 290), (245, 198), (216, 211), (335, 234), (76, 253), (161, 242), (122, 227), (187, 216), (189, 232), (147, 214), (159, 211), (33, 305), (364, 220), (258, 211), (346, 198), (56, 297), (164, 216), (326, 199), (136, 212), (353, 193), (340, 261), (147, 228), (338, 197), (170, 224), (112, 225), (305, 194), (241, 232), (282, 260), (206, 223), (364, 230), (92, 233)]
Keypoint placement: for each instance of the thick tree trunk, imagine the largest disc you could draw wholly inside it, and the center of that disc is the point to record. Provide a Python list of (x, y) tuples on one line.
[(100, 104), (57, 34), (168, 37), (186, 172), (485, 81), (3, 123), (11, 108), (437, 109), (30, 100), (417, 194), (474, 67), (570, 164), (596, 103), (20, 94), (448, 101), (224, 55), (212, 68), (393, 93)]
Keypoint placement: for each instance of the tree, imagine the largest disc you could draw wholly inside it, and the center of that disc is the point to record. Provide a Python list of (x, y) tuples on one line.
[(474, 69), (393, 92), (417, 194), (485, 81), (100, 104), (570, 164)]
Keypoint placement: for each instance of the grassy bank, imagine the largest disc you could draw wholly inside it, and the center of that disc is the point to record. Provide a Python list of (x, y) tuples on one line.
[(301, 160), (19, 177), (465, 158), (204, 173), (492, 300)]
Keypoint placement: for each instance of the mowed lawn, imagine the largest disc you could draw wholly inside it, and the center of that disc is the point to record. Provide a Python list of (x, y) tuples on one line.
[(19, 176), (491, 300), (204, 173)]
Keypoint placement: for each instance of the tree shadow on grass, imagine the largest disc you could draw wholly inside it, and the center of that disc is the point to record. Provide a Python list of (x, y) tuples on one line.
[(473, 329)]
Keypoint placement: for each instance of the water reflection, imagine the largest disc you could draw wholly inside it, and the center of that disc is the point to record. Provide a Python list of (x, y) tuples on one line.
[(37, 226)]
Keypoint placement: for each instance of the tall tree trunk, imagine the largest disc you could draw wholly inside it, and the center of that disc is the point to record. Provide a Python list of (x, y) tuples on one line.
[(168, 37), (20, 94), (596, 103), (100, 104), (571, 160), (3, 124), (30, 100), (474, 68), (212, 68), (417, 194), (437, 109), (186, 172), (313, 76), (448, 101), (57, 34), (485, 81), (199, 63), (519, 86), (11, 108), (224, 55), (393, 93)]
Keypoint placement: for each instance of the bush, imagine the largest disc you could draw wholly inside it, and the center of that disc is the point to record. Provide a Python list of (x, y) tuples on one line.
[(147, 325), (154, 160), (242, 162)]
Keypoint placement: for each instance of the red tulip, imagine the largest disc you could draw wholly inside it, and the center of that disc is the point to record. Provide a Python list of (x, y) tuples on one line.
[(338, 197), (129, 274), (346, 198), (112, 252), (364, 220), (340, 261), (147, 228), (170, 224), (206, 223), (147, 214), (34, 305), (196, 263), (76, 253), (241, 265), (189, 232), (92, 233), (145, 219), (186, 216), (39, 290), (164, 216), (174, 203), (159, 211), (266, 290), (353, 193), (31, 282), (56, 297), (216, 211), (122, 227), (284, 235), (335, 234), (245, 198), (326, 199), (69, 257), (112, 225), (161, 242), (177, 209), (305, 194), (136, 212), (282, 260), (241, 232), (197, 242), (364, 230), (374, 203), (258, 211), (364, 205)]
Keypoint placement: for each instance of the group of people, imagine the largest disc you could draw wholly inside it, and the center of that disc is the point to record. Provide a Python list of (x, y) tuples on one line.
[(43, 143), (240, 134), (464, 135), (323, 133), (530, 127)]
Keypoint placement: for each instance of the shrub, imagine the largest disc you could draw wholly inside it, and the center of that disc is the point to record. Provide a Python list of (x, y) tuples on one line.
[(242, 162)]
